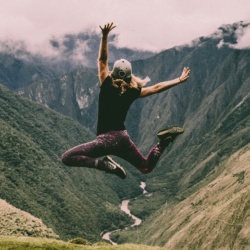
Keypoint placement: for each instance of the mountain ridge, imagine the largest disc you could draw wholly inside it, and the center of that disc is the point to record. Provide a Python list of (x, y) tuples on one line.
[(212, 106), (218, 79), (21, 66)]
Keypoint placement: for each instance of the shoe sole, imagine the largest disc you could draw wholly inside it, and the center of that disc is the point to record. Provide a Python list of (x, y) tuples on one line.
[(172, 130), (108, 158)]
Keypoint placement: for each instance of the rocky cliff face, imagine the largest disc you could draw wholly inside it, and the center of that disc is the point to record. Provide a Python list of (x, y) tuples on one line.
[(75, 94)]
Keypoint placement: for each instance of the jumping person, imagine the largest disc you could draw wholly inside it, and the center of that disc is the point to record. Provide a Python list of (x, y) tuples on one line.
[(118, 90)]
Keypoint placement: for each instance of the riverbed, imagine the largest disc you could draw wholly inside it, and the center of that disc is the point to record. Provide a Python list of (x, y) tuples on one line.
[(124, 207)]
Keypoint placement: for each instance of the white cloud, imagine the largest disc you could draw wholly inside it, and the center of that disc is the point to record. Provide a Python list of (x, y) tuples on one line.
[(242, 36), (243, 39), (78, 55), (220, 44), (142, 24)]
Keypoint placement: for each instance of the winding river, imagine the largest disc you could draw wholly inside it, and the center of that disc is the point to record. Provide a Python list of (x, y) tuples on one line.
[(124, 207)]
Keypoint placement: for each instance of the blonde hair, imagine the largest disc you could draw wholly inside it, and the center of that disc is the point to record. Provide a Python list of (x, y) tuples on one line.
[(138, 82)]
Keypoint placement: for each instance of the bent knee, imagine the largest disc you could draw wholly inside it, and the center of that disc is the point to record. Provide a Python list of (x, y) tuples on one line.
[(65, 160)]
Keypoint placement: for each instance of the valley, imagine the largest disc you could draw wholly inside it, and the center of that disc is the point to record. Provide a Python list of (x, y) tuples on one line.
[(216, 214), (124, 207), (198, 193)]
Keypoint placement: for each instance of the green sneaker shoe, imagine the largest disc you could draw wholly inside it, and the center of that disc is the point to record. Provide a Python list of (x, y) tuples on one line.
[(114, 168), (168, 135)]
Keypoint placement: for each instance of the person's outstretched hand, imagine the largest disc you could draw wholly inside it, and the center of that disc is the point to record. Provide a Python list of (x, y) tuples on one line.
[(185, 74), (107, 28)]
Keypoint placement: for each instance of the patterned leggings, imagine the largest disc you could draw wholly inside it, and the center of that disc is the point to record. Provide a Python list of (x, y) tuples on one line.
[(116, 143)]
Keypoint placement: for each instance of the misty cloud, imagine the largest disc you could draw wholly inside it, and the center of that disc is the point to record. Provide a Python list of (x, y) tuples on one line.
[(236, 36), (83, 42), (70, 51), (79, 49), (243, 38), (144, 25)]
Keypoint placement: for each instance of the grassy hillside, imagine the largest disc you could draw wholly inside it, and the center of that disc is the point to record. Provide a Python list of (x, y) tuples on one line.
[(46, 244), (214, 110), (74, 202), (16, 222), (215, 217), (211, 209)]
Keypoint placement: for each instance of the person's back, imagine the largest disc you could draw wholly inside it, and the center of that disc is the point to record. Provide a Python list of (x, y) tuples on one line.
[(113, 106)]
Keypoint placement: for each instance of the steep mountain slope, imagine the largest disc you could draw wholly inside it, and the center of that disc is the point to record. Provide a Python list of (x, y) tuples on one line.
[(195, 213), (17, 73), (74, 202), (212, 106), (218, 83), (16, 222), (74, 94), (215, 217)]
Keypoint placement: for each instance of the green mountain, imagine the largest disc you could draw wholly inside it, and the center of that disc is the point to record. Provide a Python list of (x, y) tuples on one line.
[(216, 216), (213, 107), (198, 190), (16, 72), (73, 94), (74, 202)]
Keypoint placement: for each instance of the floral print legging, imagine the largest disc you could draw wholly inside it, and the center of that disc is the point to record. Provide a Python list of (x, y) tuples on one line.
[(116, 143)]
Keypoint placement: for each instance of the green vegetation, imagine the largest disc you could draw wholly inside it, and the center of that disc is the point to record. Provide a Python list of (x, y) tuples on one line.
[(16, 222), (214, 111), (207, 198), (216, 214), (15, 243), (80, 241), (73, 202)]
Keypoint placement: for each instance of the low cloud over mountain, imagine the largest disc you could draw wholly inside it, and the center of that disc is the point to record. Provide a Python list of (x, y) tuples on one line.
[(70, 51), (236, 36)]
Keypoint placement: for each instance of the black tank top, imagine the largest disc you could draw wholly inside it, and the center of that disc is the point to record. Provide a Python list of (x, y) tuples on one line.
[(113, 106)]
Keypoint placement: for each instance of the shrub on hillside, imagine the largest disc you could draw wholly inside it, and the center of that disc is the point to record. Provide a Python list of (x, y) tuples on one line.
[(80, 241)]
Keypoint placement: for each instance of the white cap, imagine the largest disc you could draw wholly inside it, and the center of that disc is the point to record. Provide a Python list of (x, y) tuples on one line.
[(122, 69)]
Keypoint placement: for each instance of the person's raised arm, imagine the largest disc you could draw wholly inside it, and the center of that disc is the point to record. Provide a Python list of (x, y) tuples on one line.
[(159, 87), (103, 53)]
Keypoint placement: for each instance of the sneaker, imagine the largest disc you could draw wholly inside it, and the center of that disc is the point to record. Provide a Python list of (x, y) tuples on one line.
[(114, 168), (169, 134)]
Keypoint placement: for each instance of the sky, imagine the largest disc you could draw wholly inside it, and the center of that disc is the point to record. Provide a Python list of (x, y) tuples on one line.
[(153, 25)]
